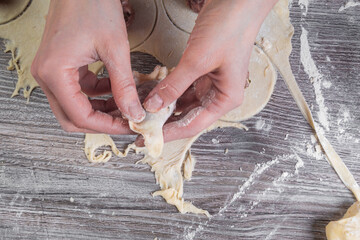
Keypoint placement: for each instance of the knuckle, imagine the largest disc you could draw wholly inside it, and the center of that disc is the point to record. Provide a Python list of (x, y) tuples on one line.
[(122, 91), (127, 85), (169, 90), (193, 61)]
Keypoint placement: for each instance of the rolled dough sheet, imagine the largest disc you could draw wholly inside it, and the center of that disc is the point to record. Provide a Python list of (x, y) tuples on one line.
[(10, 9), (346, 228)]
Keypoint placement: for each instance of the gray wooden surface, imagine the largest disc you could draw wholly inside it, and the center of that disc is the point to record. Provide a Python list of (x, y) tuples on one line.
[(42, 167)]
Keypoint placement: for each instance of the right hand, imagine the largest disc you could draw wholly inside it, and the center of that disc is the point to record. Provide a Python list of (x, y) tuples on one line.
[(76, 34)]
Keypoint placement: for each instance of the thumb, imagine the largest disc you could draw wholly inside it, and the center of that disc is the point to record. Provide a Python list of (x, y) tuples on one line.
[(117, 62), (174, 85)]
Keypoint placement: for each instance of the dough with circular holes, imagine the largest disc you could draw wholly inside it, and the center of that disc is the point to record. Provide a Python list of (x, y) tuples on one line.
[(10, 9)]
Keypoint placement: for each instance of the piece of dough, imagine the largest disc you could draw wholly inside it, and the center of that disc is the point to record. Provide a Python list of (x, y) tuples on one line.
[(10, 9), (347, 228), (258, 93), (175, 163), (95, 141), (144, 21), (151, 126), (179, 14), (23, 36)]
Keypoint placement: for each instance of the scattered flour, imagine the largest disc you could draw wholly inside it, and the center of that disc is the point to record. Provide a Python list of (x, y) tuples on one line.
[(259, 169), (326, 84), (72, 199), (315, 77), (328, 59), (282, 178), (344, 133), (262, 125), (304, 4), (263, 151), (349, 4), (276, 183), (314, 149), (190, 233), (299, 164), (286, 136), (215, 141)]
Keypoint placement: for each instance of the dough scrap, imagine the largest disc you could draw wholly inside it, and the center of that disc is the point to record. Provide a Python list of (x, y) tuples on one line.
[(10, 9), (174, 164), (95, 141), (346, 228), (151, 126), (257, 94)]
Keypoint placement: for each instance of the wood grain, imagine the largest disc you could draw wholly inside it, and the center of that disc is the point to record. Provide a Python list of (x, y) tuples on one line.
[(42, 168)]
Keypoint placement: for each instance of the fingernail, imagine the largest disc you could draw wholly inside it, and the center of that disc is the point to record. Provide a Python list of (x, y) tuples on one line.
[(153, 104), (137, 113)]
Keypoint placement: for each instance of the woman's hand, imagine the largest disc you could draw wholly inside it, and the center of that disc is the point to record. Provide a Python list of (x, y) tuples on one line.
[(76, 34), (215, 62)]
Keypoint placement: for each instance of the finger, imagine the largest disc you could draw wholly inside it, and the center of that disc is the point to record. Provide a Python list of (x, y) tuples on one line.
[(78, 109), (91, 85), (117, 62), (175, 84), (63, 120), (214, 105)]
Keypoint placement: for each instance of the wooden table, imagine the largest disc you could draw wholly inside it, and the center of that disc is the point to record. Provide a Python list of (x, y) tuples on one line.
[(48, 189)]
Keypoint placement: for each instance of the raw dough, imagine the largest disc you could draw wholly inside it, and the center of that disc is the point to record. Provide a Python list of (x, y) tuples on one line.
[(95, 141), (10, 9), (162, 39), (23, 36), (346, 228), (176, 157), (258, 93), (179, 14), (151, 126)]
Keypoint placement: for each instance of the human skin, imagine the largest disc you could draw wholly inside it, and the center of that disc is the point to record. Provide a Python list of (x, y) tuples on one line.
[(212, 72), (214, 63), (76, 34)]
